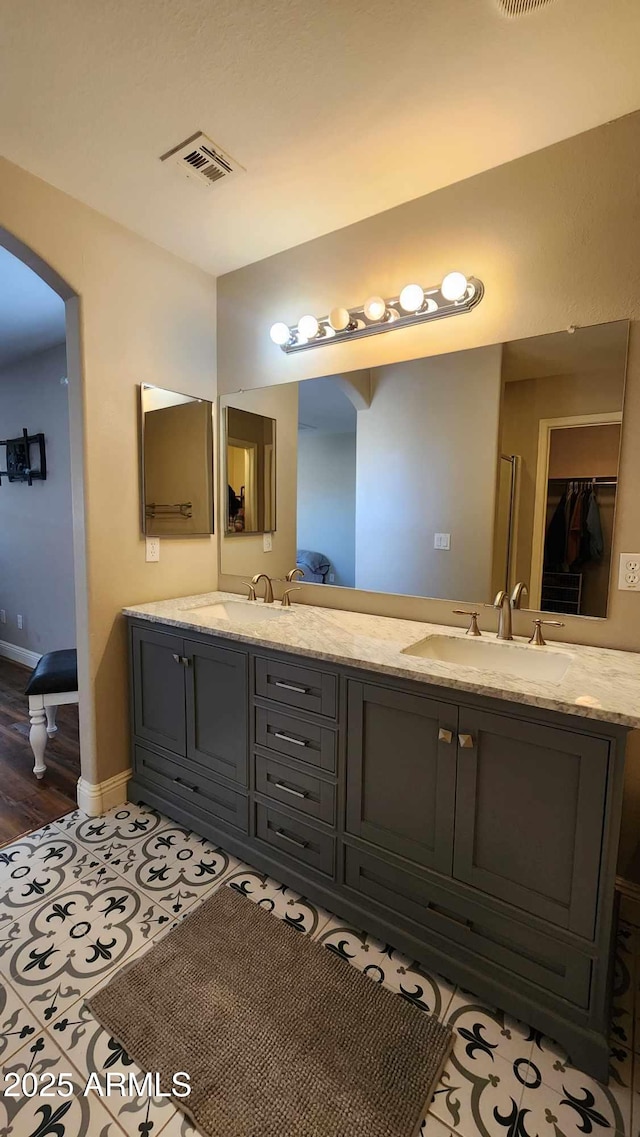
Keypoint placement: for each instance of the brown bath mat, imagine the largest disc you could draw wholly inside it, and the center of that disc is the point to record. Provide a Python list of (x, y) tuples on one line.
[(280, 1037)]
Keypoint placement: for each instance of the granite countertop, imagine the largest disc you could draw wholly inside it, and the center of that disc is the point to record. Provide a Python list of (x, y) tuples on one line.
[(599, 684)]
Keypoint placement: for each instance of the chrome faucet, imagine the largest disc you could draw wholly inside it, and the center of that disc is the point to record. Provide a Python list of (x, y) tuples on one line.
[(268, 586), (505, 604)]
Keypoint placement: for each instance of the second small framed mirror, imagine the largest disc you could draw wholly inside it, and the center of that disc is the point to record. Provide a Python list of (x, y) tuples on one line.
[(249, 446)]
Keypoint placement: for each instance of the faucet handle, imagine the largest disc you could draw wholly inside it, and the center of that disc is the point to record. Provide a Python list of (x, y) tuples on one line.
[(252, 592), (473, 629), (286, 602), (537, 638)]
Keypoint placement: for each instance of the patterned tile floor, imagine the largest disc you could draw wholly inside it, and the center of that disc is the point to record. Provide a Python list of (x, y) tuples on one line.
[(82, 896)]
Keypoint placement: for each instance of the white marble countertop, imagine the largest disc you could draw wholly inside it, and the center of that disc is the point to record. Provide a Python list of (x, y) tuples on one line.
[(599, 684)]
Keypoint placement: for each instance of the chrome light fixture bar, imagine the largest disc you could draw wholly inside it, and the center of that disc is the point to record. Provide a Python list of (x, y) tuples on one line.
[(415, 305)]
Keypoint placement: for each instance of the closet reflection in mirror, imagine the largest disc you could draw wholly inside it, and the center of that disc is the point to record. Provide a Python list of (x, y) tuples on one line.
[(249, 447), (457, 475), (177, 463)]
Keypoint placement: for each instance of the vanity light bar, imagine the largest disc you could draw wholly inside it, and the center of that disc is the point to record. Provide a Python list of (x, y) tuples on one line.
[(415, 305)]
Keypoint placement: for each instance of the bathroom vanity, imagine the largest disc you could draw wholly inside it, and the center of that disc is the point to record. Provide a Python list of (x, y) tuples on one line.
[(468, 816)]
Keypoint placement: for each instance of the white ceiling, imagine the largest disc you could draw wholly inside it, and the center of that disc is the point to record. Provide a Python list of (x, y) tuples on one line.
[(337, 110), (31, 313)]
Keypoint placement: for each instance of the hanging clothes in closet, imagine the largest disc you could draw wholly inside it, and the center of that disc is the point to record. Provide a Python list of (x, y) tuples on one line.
[(574, 534)]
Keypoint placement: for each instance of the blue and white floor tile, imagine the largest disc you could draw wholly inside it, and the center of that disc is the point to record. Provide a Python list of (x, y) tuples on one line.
[(83, 896)]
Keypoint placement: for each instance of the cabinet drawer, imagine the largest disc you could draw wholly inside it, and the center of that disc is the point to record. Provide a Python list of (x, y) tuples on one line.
[(295, 686), (202, 795), (291, 836), (513, 950), (296, 738), (294, 787)]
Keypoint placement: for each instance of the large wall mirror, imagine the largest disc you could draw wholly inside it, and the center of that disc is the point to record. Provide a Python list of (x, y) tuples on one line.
[(177, 464), (454, 476)]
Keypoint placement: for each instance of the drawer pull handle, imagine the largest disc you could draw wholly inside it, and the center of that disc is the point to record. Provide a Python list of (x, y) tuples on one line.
[(186, 785), (290, 790), (292, 687), (445, 735), (292, 840), (466, 741), (290, 738)]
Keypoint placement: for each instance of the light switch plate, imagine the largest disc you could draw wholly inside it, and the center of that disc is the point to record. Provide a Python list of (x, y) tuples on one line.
[(442, 540), (267, 542), (629, 574), (152, 551)]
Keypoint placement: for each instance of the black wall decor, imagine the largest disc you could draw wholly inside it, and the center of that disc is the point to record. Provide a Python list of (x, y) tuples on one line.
[(19, 466)]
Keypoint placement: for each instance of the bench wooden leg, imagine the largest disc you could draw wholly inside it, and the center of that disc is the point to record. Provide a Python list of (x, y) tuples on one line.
[(38, 734), (51, 720)]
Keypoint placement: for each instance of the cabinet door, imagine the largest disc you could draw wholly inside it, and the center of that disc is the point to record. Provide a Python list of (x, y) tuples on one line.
[(217, 709), (529, 813), (401, 770), (158, 689)]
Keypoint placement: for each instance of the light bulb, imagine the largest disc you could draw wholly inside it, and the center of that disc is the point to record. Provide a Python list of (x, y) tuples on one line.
[(308, 327), (280, 334), (411, 297), (454, 286), (375, 308), (339, 319)]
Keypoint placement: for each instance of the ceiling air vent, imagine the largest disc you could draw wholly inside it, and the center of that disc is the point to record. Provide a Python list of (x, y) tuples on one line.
[(201, 160), (520, 7)]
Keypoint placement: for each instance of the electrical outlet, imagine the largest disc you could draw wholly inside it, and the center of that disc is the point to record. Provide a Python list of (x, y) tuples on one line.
[(629, 574), (3, 616), (267, 542), (152, 551), (19, 621), (332, 578), (442, 540)]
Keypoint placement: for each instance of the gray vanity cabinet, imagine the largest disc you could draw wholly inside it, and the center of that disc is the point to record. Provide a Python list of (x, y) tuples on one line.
[(216, 706), (475, 835), (158, 689), (529, 805), (401, 773)]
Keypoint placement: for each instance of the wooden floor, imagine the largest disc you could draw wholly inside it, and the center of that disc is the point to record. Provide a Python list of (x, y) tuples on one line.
[(25, 802)]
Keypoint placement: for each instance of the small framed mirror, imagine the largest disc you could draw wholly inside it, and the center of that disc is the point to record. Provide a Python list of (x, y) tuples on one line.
[(177, 464), (249, 445)]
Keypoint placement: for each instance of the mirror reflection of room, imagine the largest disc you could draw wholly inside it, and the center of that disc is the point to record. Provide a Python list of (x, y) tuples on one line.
[(250, 472), (177, 445), (446, 476)]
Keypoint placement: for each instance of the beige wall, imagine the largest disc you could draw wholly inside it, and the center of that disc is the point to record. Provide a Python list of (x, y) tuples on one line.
[(555, 237), (145, 317), (426, 465), (243, 555)]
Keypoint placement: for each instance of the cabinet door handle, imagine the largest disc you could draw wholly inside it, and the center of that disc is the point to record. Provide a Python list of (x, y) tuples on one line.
[(292, 840), (186, 785), (290, 790), (445, 735), (176, 657), (292, 687), (290, 738), (183, 659), (466, 741)]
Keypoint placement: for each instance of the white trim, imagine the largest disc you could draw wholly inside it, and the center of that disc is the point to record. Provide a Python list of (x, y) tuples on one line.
[(95, 798), (19, 654), (546, 425)]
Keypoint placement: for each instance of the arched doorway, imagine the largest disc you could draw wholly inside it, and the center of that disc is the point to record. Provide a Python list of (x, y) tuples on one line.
[(76, 440)]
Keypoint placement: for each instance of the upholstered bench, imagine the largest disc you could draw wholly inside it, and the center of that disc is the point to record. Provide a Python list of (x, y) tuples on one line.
[(54, 681)]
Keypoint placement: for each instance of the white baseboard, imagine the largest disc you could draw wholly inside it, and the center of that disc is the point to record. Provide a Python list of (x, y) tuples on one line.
[(19, 654), (95, 798)]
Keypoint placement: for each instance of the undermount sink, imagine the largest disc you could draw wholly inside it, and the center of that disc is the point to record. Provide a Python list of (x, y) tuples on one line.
[(518, 660), (238, 612)]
